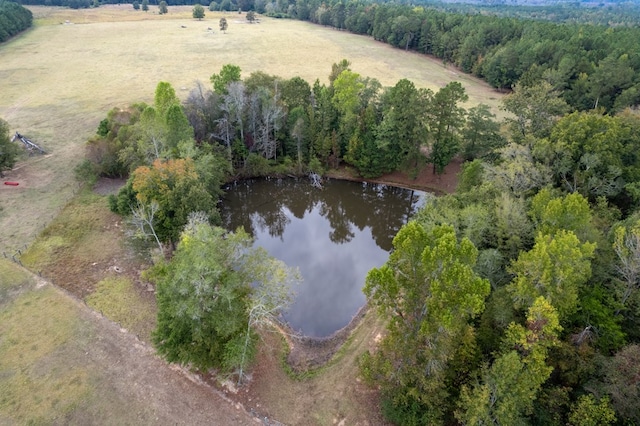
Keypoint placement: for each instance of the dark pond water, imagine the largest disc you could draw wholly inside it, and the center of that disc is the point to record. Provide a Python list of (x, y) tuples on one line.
[(334, 235)]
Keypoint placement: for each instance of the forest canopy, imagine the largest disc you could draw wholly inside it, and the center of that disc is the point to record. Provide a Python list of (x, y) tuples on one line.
[(14, 18)]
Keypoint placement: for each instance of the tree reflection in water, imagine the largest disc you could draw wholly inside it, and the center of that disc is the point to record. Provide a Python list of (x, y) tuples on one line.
[(334, 236)]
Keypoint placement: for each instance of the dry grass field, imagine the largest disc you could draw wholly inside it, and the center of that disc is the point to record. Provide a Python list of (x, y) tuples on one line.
[(61, 362)]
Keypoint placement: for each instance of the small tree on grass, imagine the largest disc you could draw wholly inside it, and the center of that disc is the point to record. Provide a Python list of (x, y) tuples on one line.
[(8, 150), (162, 8), (145, 5), (198, 12), (223, 25), (213, 6), (136, 5), (251, 16), (213, 294)]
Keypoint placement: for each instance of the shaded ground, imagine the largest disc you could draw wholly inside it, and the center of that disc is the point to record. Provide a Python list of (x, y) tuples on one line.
[(444, 183)]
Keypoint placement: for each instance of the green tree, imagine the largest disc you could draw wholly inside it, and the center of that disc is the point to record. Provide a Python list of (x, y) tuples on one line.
[(556, 267), (8, 150), (536, 109), (136, 5), (508, 388), (228, 74), (165, 96), (251, 16), (429, 292), (207, 308), (145, 5), (177, 189), (403, 129), (481, 134), (223, 25), (198, 12), (446, 119), (586, 153), (162, 8), (589, 412)]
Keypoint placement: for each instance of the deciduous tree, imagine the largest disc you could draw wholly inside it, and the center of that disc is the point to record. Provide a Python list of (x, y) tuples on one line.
[(8, 150), (428, 291), (198, 12)]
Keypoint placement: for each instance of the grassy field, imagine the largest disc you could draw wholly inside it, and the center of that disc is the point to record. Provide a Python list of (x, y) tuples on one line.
[(59, 79), (59, 361)]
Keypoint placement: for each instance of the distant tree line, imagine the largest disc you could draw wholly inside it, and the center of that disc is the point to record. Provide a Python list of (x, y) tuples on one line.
[(13, 19), (619, 13)]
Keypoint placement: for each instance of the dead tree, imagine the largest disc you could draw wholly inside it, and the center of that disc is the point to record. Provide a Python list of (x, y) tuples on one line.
[(30, 145)]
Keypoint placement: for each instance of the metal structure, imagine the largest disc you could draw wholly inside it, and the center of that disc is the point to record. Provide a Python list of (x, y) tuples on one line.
[(30, 145)]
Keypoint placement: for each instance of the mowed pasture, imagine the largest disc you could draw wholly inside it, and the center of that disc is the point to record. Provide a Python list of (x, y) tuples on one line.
[(59, 79)]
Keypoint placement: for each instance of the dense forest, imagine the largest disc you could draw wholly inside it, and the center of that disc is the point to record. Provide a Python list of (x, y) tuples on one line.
[(513, 301), (13, 19)]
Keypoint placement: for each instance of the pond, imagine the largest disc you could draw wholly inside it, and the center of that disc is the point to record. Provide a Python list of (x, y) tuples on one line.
[(333, 235)]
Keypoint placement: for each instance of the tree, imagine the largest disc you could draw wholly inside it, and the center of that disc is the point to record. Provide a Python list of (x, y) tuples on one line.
[(136, 5), (536, 108), (481, 134), (589, 412), (228, 74), (162, 8), (213, 294), (446, 119), (251, 16), (223, 25), (198, 11), (620, 383), (556, 267), (586, 153), (403, 130), (8, 150), (145, 5), (507, 389), (428, 292), (177, 189)]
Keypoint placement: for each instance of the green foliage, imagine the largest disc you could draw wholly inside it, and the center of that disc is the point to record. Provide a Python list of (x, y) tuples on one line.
[(162, 8), (14, 18), (203, 298), (429, 292), (136, 5), (556, 267), (228, 74), (198, 11), (177, 189), (145, 5), (509, 386), (447, 119), (8, 150), (208, 310), (589, 412)]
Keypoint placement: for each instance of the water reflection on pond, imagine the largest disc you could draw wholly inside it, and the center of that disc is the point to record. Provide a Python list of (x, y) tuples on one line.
[(334, 236)]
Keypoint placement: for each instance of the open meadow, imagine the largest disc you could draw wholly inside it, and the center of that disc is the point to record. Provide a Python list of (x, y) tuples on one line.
[(61, 362)]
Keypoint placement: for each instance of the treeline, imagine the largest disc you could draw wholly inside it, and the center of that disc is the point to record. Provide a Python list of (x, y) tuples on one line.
[(590, 65), (13, 19), (612, 14)]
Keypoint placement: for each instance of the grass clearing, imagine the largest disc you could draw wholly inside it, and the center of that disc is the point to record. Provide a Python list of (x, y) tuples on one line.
[(118, 299), (35, 328)]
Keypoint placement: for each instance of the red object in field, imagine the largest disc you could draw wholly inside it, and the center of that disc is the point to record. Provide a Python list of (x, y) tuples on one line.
[(12, 183)]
